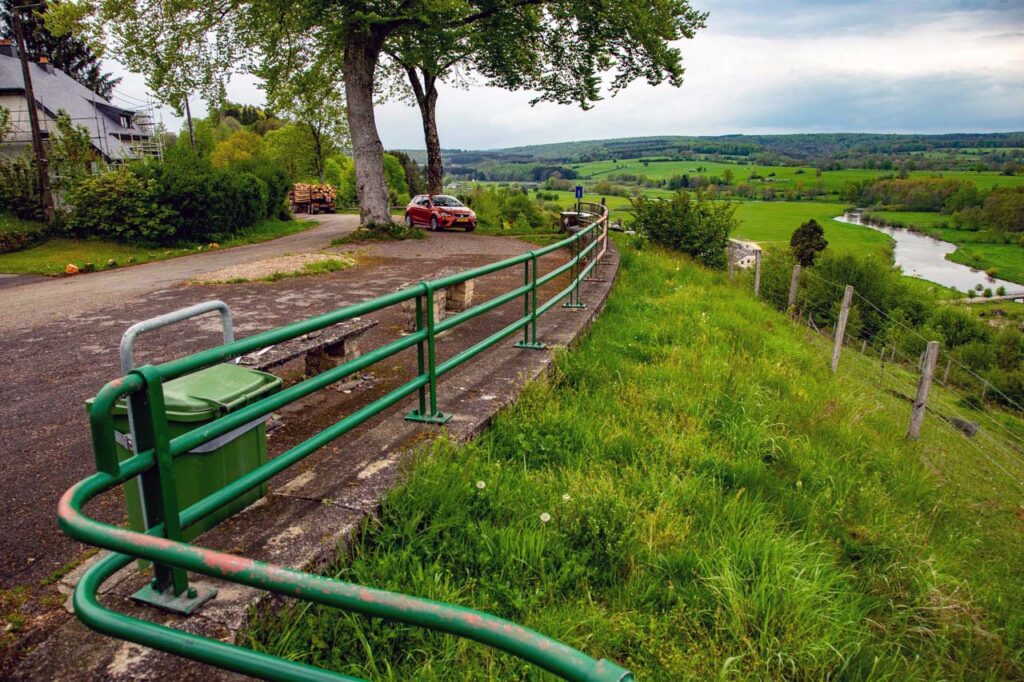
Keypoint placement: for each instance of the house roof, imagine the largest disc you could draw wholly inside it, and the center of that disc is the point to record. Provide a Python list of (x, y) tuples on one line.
[(56, 91)]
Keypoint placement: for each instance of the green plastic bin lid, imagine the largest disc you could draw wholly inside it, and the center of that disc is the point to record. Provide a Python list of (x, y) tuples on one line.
[(213, 391)]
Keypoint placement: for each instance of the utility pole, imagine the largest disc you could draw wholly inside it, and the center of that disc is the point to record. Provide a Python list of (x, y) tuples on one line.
[(33, 114)]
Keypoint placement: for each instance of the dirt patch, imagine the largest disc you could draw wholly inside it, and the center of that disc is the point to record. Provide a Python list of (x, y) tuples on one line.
[(291, 265)]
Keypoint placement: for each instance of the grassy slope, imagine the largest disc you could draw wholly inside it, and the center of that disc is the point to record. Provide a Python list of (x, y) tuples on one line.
[(719, 502), (53, 255)]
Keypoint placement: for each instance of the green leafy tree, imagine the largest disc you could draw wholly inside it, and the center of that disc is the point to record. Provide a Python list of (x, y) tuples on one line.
[(241, 148), (698, 226), (316, 103), (199, 43), (69, 54), (5, 123), (71, 152), (291, 147), (398, 187), (413, 175), (807, 242)]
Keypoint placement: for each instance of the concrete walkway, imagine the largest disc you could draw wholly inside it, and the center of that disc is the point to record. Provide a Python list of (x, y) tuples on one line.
[(60, 347)]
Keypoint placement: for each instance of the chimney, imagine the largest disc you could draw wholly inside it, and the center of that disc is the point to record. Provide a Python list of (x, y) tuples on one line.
[(45, 63), (7, 48)]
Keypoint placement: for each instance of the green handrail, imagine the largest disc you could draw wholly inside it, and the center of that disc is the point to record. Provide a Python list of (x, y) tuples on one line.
[(161, 543)]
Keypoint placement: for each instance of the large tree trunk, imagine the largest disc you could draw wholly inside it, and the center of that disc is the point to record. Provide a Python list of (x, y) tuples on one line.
[(426, 97), (361, 54)]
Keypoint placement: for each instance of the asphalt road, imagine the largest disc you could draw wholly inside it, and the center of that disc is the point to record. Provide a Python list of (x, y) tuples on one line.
[(44, 300)]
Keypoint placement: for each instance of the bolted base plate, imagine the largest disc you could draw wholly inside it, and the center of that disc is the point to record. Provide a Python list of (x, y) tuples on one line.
[(532, 345), (574, 305), (183, 604), (439, 418)]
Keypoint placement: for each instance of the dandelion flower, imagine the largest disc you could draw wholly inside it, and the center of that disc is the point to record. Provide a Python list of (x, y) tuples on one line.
[(480, 485), (545, 517)]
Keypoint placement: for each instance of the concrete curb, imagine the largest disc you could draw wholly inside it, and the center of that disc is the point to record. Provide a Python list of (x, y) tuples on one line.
[(303, 522)]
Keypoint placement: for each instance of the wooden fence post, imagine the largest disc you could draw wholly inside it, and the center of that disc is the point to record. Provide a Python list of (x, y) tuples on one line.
[(945, 374), (792, 286), (844, 314), (931, 354), (731, 254), (757, 273)]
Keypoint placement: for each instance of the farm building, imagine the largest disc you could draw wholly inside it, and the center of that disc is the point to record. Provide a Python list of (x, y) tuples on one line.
[(116, 133)]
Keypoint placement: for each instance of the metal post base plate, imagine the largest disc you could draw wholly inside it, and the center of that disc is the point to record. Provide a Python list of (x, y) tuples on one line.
[(574, 305), (439, 418), (532, 345), (183, 604)]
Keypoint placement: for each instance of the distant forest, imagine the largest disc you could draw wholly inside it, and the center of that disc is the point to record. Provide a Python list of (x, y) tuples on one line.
[(827, 151)]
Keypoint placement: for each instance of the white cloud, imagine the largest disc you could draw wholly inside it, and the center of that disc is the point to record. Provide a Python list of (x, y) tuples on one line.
[(783, 67)]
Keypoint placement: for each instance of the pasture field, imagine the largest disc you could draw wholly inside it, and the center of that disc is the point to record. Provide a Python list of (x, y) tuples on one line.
[(694, 495), (771, 224), (785, 177)]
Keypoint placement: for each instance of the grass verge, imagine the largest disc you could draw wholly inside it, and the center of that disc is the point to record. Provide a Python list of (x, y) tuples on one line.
[(396, 234), (694, 495), (53, 255)]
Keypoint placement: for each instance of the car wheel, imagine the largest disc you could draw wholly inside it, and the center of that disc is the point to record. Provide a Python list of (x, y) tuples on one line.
[(433, 223), (408, 220), (470, 227)]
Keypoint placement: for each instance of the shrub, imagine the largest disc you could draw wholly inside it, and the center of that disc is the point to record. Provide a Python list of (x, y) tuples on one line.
[(696, 226), (251, 195), (19, 189), (21, 237), (120, 206)]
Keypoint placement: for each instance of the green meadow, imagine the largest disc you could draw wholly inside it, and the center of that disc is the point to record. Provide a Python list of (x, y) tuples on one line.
[(782, 177)]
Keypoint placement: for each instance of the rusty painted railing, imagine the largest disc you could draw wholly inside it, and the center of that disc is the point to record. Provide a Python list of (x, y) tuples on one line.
[(162, 543)]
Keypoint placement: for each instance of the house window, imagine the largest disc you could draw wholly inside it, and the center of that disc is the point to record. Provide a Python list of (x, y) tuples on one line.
[(126, 121)]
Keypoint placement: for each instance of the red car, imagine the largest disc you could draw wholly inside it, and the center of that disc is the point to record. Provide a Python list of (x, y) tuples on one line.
[(439, 211)]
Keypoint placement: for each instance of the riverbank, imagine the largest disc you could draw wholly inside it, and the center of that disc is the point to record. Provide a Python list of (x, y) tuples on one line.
[(998, 255), (928, 257)]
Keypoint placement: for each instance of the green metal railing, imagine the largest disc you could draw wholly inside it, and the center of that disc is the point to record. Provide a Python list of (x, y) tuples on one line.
[(162, 542)]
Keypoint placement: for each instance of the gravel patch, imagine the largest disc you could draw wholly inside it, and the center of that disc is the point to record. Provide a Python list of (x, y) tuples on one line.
[(291, 264)]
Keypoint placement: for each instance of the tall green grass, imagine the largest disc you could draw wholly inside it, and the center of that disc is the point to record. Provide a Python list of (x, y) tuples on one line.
[(720, 506)]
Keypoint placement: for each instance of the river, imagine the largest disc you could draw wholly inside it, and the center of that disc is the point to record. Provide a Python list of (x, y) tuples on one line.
[(922, 256)]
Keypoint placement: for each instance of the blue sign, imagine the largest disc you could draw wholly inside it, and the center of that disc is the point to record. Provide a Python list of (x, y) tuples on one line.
[(579, 191)]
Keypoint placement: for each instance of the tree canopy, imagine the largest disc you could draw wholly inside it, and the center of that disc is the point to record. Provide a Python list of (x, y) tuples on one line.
[(807, 241), (560, 48), (69, 54)]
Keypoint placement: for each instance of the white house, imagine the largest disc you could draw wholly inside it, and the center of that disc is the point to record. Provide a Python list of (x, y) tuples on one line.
[(117, 134)]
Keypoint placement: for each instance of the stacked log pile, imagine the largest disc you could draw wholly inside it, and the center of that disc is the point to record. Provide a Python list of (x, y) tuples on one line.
[(312, 198)]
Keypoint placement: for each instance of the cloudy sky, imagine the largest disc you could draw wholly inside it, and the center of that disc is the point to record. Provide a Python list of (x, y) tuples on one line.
[(769, 67)]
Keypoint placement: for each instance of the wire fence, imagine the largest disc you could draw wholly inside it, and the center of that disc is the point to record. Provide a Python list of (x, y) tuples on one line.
[(995, 434)]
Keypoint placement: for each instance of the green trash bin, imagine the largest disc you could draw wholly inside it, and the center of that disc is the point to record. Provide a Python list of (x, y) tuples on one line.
[(192, 401)]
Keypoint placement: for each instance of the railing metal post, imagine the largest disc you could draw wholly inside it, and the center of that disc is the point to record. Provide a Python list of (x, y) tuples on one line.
[(420, 355), (574, 293), (169, 590), (433, 416), (530, 307)]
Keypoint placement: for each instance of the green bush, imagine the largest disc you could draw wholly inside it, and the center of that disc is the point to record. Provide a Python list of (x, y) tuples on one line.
[(252, 197), (19, 189), (20, 237), (120, 206), (696, 226)]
